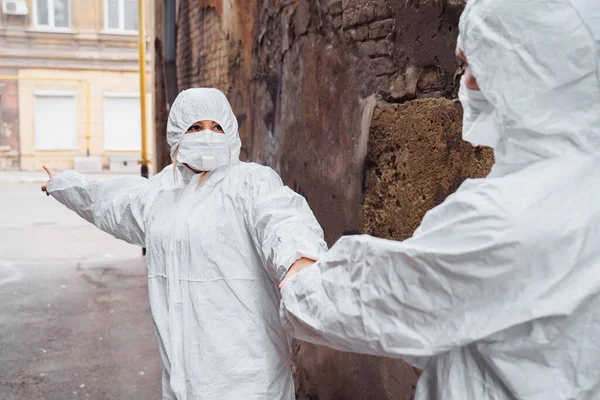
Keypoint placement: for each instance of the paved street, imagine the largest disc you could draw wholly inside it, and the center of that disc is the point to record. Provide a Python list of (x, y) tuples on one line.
[(74, 321)]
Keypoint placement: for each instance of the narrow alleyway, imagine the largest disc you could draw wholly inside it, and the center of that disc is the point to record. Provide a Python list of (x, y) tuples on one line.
[(74, 321)]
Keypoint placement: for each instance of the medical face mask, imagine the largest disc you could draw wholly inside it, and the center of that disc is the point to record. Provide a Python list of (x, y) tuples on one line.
[(204, 151), (479, 127)]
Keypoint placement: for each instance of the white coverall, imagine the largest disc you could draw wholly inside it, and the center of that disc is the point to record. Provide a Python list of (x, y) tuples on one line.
[(215, 255), (497, 294)]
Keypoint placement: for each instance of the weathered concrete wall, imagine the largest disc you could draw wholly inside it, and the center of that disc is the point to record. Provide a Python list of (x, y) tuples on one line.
[(349, 101)]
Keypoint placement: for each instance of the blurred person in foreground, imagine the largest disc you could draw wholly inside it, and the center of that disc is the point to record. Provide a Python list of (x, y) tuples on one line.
[(497, 293), (221, 234)]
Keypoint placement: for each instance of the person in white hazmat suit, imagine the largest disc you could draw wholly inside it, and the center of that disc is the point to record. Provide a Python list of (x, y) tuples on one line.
[(220, 235), (497, 293)]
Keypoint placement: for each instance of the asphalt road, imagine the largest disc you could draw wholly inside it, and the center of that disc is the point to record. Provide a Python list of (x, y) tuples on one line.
[(74, 315)]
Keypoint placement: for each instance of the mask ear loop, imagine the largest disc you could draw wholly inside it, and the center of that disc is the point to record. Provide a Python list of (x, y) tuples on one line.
[(176, 176), (223, 208)]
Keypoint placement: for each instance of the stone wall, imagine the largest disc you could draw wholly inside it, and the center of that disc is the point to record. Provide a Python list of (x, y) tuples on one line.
[(351, 102)]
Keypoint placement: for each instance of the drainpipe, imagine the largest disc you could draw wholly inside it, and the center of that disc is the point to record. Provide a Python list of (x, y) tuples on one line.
[(142, 65), (169, 50)]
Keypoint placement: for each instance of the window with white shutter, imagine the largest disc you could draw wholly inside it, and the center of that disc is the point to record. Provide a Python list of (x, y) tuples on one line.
[(55, 120), (122, 122)]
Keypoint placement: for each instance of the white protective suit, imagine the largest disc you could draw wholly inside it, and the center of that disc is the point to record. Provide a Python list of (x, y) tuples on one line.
[(497, 294), (215, 255)]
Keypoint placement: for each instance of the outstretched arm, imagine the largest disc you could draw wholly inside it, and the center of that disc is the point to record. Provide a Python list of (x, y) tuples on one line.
[(283, 227), (456, 281), (115, 206)]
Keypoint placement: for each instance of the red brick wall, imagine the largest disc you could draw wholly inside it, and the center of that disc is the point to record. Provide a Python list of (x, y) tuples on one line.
[(202, 57)]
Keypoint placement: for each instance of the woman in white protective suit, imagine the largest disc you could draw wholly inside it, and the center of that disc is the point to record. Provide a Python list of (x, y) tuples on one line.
[(497, 294), (220, 235)]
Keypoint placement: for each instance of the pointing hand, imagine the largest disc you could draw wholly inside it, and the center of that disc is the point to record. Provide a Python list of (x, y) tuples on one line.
[(50, 176)]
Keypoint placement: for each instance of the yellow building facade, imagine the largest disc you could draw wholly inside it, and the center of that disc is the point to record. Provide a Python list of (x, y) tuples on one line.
[(69, 84)]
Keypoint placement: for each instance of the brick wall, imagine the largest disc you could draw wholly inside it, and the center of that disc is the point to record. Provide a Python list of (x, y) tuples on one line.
[(202, 47)]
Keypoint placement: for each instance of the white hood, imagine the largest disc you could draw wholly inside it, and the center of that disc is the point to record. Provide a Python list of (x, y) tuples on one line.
[(201, 104), (540, 73)]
